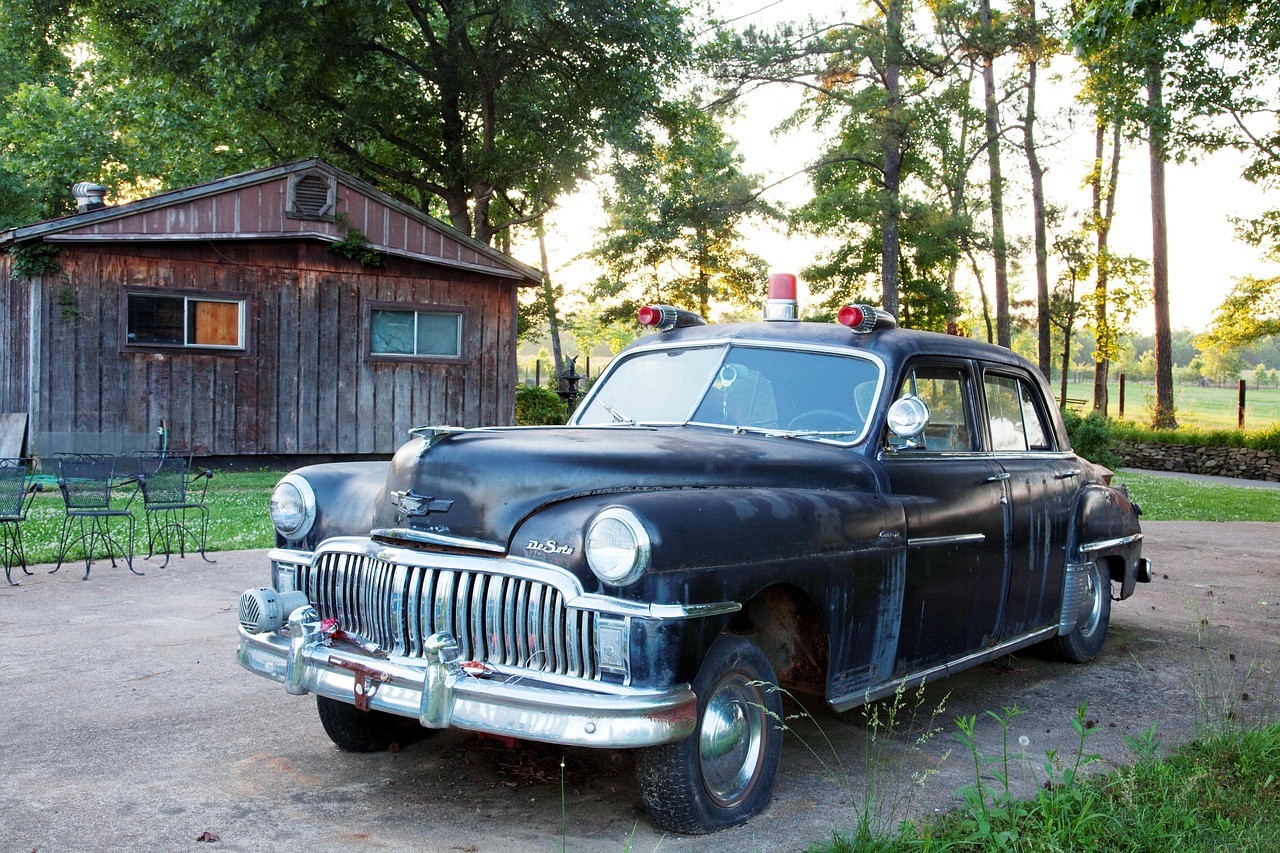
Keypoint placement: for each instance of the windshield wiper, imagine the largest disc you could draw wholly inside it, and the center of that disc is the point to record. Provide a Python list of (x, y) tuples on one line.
[(618, 417)]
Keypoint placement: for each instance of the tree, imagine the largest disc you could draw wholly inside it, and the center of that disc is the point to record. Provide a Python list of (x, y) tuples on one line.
[(678, 199), (1076, 259), (862, 76), (453, 106)]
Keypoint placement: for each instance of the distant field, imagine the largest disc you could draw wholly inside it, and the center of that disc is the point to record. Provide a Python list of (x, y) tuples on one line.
[(1206, 408)]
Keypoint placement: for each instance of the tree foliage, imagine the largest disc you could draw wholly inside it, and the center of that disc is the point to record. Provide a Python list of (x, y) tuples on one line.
[(678, 201), (485, 110)]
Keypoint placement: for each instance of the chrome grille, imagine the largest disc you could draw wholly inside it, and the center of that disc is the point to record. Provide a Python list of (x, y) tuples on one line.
[(506, 621)]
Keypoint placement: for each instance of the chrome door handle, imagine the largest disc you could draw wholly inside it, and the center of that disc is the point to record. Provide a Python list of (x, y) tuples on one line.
[(996, 478), (1067, 475)]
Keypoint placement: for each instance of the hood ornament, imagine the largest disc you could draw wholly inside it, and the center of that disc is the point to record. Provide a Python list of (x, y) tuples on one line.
[(433, 435)]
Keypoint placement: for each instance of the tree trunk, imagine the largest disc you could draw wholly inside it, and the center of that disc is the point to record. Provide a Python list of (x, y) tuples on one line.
[(549, 300), (1043, 326), (1163, 417), (998, 246), (1104, 209), (891, 153)]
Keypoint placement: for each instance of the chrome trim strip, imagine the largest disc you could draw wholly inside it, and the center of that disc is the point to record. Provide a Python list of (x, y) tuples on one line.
[(437, 692), (1110, 543), (438, 539), (290, 555), (853, 700), (662, 612), (948, 540)]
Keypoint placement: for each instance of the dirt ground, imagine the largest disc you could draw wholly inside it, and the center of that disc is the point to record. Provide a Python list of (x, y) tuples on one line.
[(127, 724)]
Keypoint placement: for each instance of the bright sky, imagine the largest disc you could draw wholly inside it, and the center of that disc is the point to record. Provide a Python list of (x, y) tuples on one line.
[(1204, 257)]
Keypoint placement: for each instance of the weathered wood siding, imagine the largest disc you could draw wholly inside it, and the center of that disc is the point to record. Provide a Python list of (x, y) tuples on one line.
[(305, 385), (259, 210), (15, 332)]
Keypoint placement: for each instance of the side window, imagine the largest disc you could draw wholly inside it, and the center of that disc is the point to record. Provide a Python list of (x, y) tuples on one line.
[(1014, 419), (154, 319), (943, 390), (414, 332)]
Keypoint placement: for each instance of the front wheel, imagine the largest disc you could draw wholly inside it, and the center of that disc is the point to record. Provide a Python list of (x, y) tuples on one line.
[(722, 774), (1085, 640), (353, 730)]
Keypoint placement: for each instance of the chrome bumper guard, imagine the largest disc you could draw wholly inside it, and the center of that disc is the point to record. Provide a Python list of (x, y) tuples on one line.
[(439, 693)]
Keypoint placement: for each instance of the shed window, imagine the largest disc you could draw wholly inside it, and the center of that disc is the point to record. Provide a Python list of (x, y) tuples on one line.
[(166, 320), (415, 333)]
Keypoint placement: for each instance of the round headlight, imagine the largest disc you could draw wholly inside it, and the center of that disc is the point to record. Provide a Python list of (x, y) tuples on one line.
[(293, 507), (617, 546)]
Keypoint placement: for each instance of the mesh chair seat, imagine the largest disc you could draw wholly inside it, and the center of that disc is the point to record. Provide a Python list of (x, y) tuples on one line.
[(86, 481), (173, 499), (16, 494)]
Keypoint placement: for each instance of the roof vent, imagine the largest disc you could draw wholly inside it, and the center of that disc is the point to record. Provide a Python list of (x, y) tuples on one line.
[(89, 196), (311, 196)]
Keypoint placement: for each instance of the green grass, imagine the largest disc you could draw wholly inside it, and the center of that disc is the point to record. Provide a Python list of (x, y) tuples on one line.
[(1204, 408), (1219, 792), (1172, 499), (238, 517)]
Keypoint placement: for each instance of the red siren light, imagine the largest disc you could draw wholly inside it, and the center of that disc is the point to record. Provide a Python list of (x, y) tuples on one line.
[(782, 304), (859, 318), (664, 318)]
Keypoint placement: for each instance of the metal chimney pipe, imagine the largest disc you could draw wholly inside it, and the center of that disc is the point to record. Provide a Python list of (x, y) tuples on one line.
[(88, 196)]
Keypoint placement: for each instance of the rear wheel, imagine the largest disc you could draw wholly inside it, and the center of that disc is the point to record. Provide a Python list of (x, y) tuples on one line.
[(354, 730), (1085, 640), (722, 774)]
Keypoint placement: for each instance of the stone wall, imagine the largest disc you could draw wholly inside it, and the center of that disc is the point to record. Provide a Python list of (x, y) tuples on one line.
[(1241, 462)]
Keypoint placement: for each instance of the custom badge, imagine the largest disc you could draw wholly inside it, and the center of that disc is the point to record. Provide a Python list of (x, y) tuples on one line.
[(411, 505)]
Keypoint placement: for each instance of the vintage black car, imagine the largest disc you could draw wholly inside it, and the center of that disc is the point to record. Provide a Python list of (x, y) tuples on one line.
[(838, 509)]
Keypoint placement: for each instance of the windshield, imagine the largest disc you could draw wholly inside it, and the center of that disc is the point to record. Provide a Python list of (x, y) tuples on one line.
[(795, 392)]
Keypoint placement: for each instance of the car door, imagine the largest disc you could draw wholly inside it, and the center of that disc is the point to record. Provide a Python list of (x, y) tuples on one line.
[(1043, 480), (954, 496)]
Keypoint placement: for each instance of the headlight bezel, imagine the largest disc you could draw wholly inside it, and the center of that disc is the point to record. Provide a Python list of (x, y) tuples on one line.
[(613, 568), (292, 498)]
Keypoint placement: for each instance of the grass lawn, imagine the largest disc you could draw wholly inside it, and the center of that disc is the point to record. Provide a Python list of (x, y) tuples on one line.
[(237, 516), (1206, 408)]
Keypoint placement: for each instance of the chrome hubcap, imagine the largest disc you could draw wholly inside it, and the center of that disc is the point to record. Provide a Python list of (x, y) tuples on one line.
[(1091, 606), (731, 740)]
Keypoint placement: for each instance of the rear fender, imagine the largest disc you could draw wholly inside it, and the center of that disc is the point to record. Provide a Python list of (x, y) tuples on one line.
[(1105, 528)]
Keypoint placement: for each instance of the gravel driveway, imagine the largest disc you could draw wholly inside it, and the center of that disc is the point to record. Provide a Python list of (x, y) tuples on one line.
[(127, 724)]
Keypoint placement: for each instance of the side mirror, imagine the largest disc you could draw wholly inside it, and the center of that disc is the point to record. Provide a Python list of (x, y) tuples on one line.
[(908, 416)]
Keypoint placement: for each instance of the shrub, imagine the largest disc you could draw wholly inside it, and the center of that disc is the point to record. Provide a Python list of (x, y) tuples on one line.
[(536, 406), (1261, 439), (1092, 438)]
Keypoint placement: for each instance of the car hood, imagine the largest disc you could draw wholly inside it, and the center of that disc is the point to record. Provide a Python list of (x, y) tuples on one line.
[(480, 484)]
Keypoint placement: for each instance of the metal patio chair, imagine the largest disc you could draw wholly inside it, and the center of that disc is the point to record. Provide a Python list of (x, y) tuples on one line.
[(86, 481), (173, 496), (17, 491)]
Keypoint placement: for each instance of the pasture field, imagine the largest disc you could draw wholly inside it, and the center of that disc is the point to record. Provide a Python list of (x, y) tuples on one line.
[(1195, 406)]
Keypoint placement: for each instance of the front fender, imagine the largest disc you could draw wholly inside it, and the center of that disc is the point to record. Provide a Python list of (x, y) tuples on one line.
[(346, 495), (726, 545)]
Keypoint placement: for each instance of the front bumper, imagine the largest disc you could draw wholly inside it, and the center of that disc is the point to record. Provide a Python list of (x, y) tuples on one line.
[(439, 693)]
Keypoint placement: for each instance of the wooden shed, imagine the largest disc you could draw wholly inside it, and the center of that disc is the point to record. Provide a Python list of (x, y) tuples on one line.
[(223, 311)]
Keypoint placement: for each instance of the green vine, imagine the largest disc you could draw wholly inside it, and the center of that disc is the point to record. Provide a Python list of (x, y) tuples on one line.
[(67, 301), (34, 259), (355, 245)]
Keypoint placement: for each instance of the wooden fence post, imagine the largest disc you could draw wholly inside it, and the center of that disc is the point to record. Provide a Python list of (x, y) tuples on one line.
[(1240, 407), (1121, 414), (537, 373)]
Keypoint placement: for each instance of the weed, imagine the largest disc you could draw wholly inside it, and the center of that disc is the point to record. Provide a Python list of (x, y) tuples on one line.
[(882, 800), (1061, 815)]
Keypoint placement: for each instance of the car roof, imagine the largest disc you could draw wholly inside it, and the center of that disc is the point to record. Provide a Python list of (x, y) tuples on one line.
[(893, 346)]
